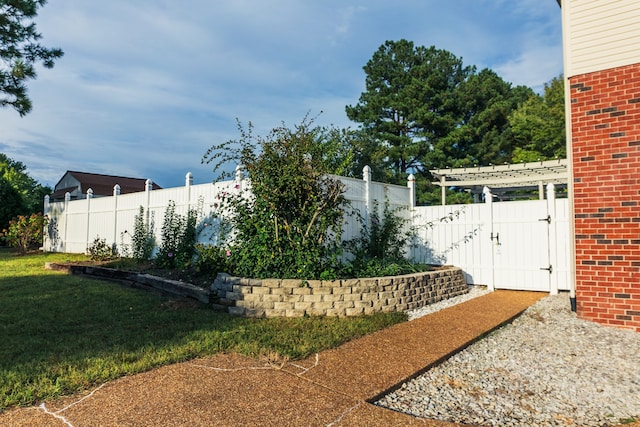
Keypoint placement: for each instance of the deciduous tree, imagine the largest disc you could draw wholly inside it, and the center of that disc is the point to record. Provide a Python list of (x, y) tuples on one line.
[(538, 126), (20, 194)]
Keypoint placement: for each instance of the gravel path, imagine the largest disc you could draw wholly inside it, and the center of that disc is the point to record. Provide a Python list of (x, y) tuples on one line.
[(547, 368)]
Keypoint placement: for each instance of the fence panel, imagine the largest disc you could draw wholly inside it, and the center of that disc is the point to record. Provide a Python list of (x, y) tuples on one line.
[(454, 235), (460, 235)]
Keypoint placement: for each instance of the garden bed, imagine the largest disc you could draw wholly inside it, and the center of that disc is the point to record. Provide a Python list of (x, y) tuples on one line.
[(294, 297), (138, 280), (348, 297)]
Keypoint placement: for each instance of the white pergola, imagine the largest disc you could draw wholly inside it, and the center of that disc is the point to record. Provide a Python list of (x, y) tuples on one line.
[(503, 178)]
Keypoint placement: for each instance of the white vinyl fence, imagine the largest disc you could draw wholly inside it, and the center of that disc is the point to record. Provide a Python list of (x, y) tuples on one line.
[(520, 245), (75, 224), (505, 245)]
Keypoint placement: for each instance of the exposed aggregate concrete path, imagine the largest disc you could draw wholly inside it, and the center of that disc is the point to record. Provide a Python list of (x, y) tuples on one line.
[(332, 388)]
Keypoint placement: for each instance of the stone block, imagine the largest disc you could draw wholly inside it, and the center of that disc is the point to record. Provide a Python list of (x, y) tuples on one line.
[(234, 296), (270, 312), (354, 311), (293, 298), (252, 298), (227, 302), (352, 297), (313, 284), (254, 312), (242, 289), (263, 305), (271, 283), (273, 298), (302, 305), (343, 304), (283, 306), (232, 280), (332, 298), (322, 305), (313, 298), (330, 283), (385, 283), (315, 312), (236, 311), (293, 283), (369, 283), (281, 291), (363, 304), (370, 310), (261, 290), (335, 312), (295, 313), (383, 296), (301, 291), (351, 283), (322, 291), (342, 290)]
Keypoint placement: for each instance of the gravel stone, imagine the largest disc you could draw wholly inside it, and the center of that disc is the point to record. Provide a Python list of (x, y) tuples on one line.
[(546, 368)]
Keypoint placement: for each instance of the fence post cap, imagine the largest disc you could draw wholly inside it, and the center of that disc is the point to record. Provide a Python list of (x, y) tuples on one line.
[(90, 193)]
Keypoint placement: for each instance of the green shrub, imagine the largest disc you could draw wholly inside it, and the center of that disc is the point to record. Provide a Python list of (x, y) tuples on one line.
[(143, 241), (99, 250), (25, 232), (290, 224), (380, 250), (178, 239), (211, 260)]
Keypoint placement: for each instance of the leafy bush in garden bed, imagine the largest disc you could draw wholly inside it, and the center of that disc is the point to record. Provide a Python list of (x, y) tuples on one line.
[(290, 224), (286, 224)]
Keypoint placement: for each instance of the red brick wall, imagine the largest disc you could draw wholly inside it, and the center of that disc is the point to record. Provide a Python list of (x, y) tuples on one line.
[(605, 122)]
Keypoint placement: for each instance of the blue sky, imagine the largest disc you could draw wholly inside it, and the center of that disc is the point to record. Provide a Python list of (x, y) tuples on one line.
[(146, 87)]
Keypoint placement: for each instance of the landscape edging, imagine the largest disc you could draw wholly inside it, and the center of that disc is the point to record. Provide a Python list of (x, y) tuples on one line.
[(342, 298)]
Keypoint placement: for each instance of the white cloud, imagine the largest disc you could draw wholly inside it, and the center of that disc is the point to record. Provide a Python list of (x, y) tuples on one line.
[(145, 88)]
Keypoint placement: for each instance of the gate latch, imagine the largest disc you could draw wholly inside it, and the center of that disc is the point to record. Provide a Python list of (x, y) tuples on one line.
[(547, 219), (496, 237), (549, 269)]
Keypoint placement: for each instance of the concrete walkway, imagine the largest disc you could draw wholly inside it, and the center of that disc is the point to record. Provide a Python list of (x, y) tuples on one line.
[(332, 388)]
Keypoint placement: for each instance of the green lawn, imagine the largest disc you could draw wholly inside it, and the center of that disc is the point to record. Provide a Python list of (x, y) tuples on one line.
[(60, 333)]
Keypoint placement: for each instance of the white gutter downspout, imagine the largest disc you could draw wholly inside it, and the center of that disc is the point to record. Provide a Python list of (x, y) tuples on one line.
[(569, 137)]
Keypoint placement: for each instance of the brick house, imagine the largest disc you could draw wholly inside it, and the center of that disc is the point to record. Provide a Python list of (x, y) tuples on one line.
[(602, 89)]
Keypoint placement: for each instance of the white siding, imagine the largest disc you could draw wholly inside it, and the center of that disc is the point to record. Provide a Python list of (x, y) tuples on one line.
[(600, 34)]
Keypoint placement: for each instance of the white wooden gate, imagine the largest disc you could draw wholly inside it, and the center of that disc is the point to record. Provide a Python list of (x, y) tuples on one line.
[(519, 245)]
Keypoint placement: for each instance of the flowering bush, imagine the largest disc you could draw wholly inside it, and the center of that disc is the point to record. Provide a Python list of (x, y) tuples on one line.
[(290, 225), (24, 233)]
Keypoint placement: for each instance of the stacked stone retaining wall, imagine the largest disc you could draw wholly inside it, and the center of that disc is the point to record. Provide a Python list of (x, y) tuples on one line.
[(350, 297)]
